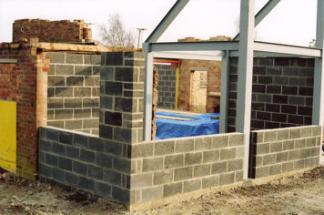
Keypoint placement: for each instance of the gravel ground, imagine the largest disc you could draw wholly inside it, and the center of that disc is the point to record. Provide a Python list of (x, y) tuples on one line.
[(294, 195)]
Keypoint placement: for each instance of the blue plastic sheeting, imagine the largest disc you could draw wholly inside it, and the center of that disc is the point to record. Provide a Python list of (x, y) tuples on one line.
[(186, 125)]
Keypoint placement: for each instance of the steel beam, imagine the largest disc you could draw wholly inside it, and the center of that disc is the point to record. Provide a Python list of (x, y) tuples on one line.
[(287, 49), (224, 92), (187, 56), (167, 20), (148, 96), (265, 10), (245, 73), (318, 100), (260, 54), (195, 46)]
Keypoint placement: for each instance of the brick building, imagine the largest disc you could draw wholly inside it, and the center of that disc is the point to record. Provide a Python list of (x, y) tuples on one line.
[(54, 84)]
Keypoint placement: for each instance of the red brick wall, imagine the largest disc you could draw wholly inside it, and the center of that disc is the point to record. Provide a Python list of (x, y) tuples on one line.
[(18, 83), (51, 31), (214, 76)]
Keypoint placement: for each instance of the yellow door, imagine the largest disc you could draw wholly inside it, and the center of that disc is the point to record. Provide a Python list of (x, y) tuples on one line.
[(8, 135)]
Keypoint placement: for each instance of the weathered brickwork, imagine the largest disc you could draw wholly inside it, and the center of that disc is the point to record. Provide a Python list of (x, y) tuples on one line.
[(84, 162), (51, 31), (166, 86), (277, 151), (213, 84), (73, 91), (282, 94), (165, 168), (18, 83), (121, 97)]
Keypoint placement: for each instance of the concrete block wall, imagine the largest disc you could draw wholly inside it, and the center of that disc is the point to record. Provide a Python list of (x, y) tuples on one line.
[(73, 91), (282, 94), (122, 97), (162, 169), (84, 162), (276, 151), (166, 86)]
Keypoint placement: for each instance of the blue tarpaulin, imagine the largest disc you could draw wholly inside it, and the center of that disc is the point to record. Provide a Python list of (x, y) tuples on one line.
[(185, 125)]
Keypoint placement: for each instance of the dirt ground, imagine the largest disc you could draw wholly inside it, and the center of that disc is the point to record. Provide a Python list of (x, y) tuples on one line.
[(294, 195)]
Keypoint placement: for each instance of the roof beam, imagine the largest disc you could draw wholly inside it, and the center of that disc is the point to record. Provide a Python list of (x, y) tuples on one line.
[(195, 46), (166, 21), (265, 10), (287, 49), (188, 56)]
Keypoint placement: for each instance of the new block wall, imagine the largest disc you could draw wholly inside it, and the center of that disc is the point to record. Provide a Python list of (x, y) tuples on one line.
[(276, 151), (163, 169), (73, 91), (166, 86), (122, 97), (18, 84), (84, 162), (282, 94)]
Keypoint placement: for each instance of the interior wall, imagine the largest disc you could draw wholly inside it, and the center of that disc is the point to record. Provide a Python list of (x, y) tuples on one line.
[(282, 94), (213, 85), (166, 86)]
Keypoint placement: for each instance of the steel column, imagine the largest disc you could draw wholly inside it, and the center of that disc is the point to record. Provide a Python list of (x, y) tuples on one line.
[(318, 100), (245, 73), (148, 93), (224, 92)]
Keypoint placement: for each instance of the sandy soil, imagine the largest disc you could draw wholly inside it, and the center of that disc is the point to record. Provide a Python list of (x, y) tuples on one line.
[(294, 195)]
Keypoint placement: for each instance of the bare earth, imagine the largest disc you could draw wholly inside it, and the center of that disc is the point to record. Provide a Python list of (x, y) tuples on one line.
[(294, 195)]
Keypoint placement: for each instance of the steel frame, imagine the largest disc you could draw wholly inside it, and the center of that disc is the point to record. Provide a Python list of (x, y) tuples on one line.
[(244, 49)]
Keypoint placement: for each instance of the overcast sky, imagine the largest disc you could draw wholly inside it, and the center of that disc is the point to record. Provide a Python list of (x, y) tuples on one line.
[(292, 21)]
